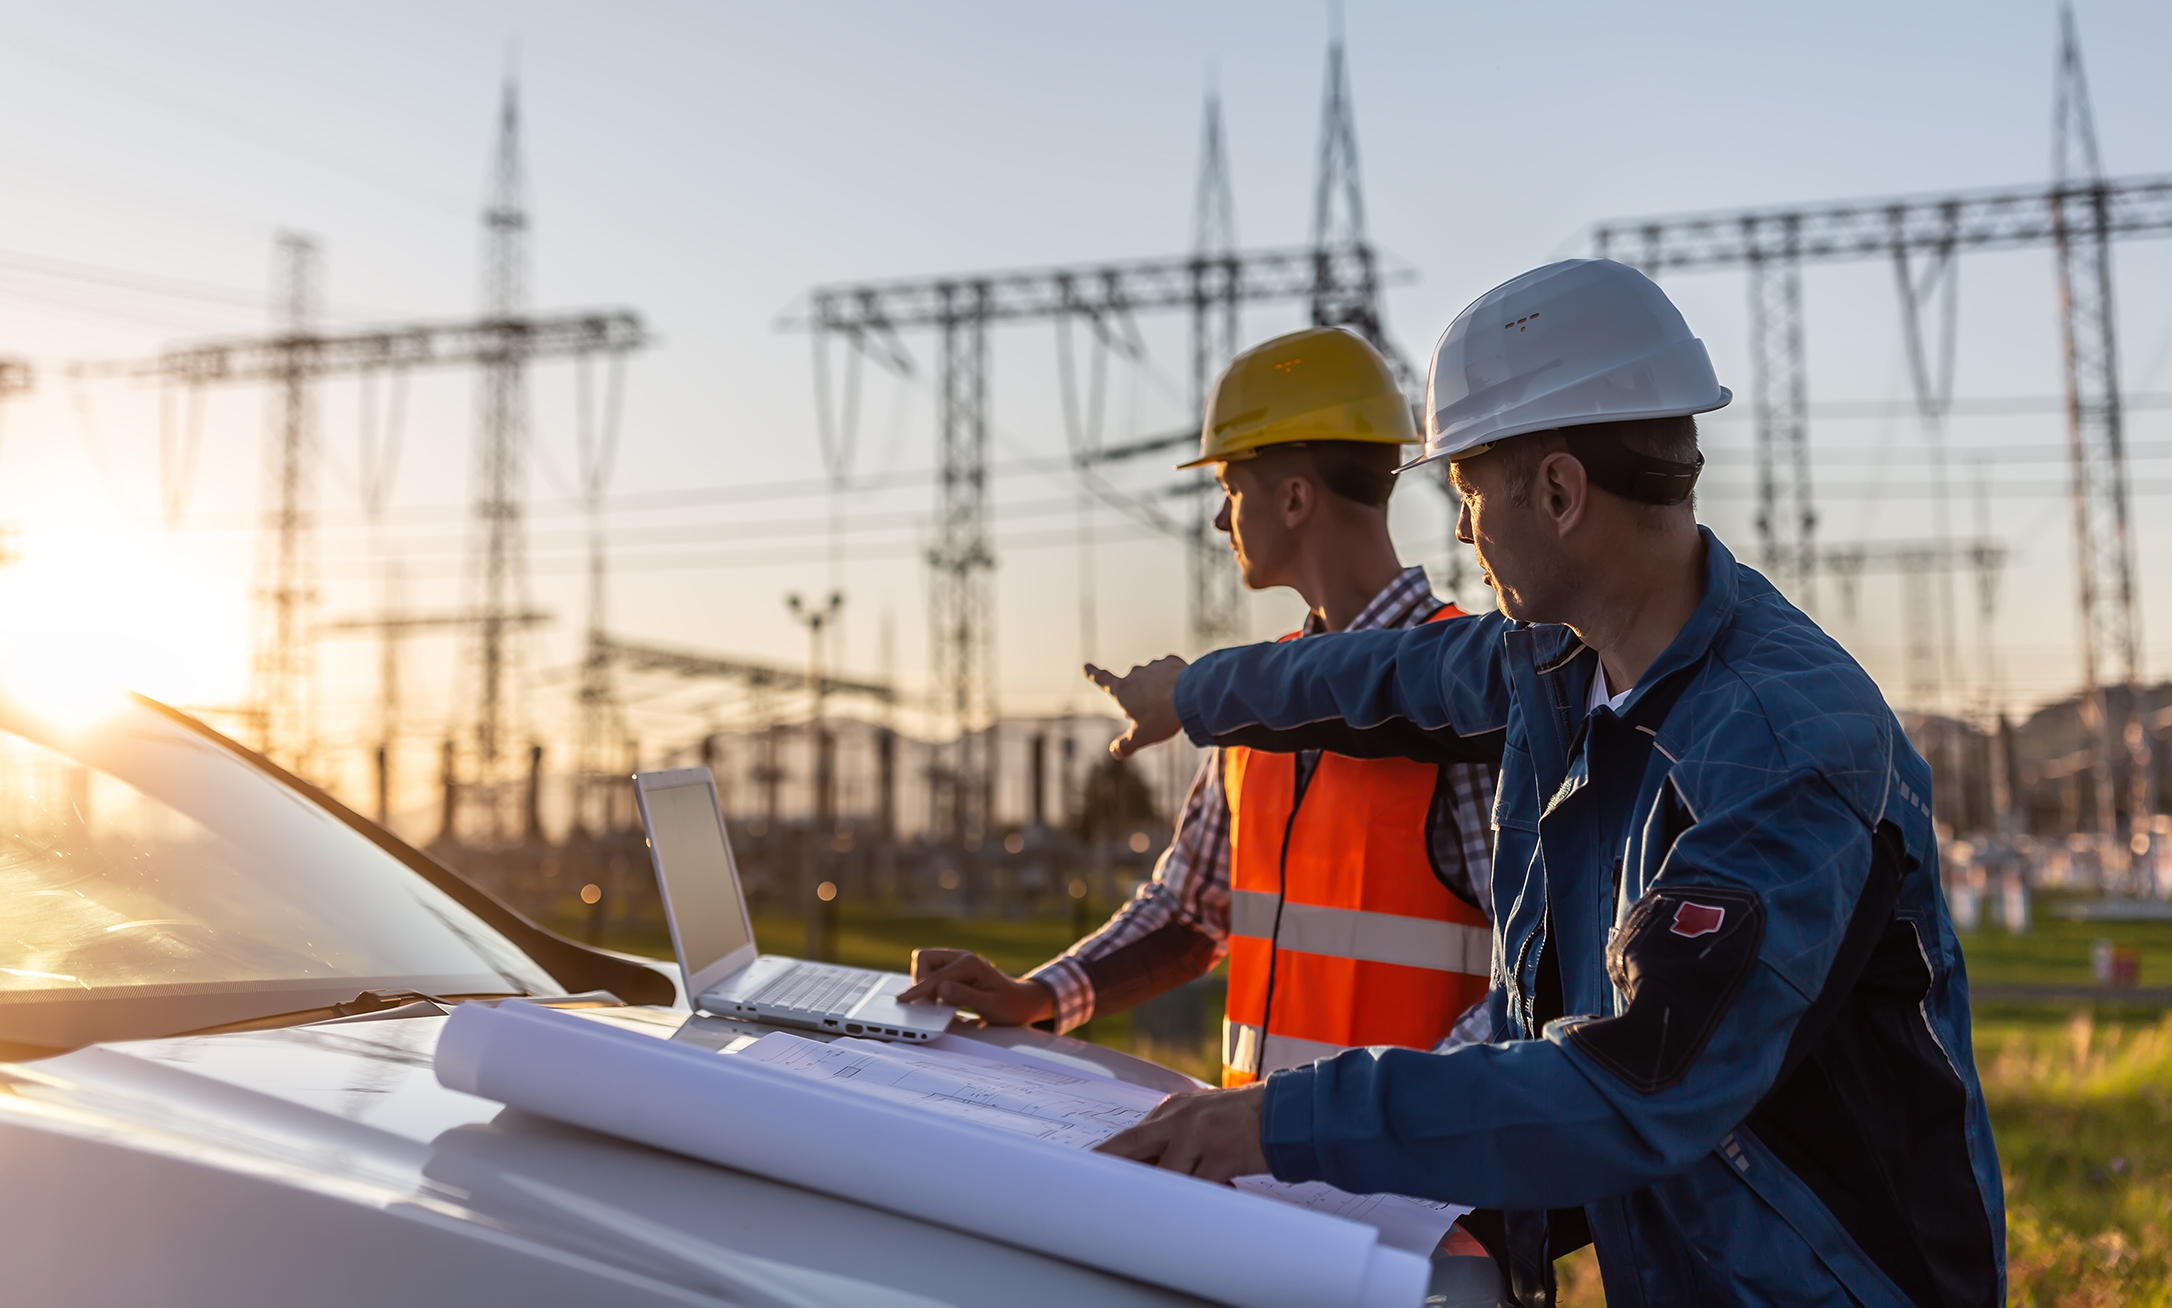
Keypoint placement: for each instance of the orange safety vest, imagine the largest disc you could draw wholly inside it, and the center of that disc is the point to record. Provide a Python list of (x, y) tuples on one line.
[(1341, 936)]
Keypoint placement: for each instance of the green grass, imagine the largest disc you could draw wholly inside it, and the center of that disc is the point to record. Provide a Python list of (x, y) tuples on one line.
[(2082, 1110), (2055, 951), (2081, 1107)]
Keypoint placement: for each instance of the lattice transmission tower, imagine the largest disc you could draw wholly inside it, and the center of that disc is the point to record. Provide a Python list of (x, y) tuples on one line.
[(1217, 597), (1340, 276), (1346, 291), (501, 450), (2077, 217), (499, 343), (283, 683), (2111, 636), (961, 563)]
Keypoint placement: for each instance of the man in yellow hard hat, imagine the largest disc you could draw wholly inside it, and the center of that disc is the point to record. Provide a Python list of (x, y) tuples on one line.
[(1351, 896)]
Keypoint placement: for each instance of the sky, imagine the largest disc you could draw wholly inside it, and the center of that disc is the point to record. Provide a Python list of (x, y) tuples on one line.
[(706, 164)]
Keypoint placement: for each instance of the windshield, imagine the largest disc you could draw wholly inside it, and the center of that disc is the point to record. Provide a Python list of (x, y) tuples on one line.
[(142, 861)]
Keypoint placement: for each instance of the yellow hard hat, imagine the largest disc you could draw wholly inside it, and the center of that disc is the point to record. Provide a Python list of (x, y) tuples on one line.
[(1320, 384)]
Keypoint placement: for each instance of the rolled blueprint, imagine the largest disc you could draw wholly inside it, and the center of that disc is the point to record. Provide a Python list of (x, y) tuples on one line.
[(1141, 1222)]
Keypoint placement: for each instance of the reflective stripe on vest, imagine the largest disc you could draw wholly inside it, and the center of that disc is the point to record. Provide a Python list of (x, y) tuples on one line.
[(1241, 1049), (1371, 949), (1370, 937)]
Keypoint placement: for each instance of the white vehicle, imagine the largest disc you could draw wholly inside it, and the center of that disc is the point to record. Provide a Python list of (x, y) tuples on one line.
[(218, 1015)]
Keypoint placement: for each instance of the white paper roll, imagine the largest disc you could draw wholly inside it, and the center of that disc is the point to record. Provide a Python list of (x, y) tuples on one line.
[(1141, 1222)]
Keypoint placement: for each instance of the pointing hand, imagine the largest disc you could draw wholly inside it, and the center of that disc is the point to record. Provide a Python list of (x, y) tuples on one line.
[(1147, 695)]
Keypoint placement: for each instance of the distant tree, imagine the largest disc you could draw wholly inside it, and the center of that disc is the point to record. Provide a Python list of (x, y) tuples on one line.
[(1117, 802)]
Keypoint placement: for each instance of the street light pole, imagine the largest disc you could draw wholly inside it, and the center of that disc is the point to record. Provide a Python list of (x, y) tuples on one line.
[(819, 909)]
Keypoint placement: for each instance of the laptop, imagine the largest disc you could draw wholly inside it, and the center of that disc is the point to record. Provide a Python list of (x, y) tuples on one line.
[(714, 938)]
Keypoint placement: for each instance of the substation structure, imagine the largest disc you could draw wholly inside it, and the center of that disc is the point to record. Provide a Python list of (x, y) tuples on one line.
[(1008, 816), (2078, 218), (1340, 275), (500, 343), (826, 812), (985, 835)]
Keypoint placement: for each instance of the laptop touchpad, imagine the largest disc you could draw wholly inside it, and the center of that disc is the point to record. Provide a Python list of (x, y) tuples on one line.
[(880, 1008)]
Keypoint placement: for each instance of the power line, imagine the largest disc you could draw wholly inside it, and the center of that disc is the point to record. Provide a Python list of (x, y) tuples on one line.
[(175, 288), (134, 196), (2078, 217), (1773, 245), (1340, 275), (294, 147), (575, 562), (501, 343)]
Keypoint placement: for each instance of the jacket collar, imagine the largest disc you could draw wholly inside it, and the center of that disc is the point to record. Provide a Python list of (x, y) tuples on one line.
[(1722, 588), (1558, 736)]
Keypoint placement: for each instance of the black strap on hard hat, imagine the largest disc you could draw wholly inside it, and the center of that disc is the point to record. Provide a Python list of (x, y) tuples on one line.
[(1646, 478)]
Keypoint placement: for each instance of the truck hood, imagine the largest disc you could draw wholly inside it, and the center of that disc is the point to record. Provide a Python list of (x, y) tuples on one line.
[(326, 1163)]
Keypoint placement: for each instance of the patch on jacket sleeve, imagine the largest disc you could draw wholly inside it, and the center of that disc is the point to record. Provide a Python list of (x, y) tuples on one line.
[(1692, 920), (1680, 957)]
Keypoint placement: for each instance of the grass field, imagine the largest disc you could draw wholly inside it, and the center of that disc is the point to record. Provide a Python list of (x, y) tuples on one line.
[(2082, 1110), (2080, 1096), (2055, 951)]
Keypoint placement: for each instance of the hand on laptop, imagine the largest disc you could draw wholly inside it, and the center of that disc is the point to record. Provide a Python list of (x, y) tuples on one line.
[(964, 979), (1147, 695)]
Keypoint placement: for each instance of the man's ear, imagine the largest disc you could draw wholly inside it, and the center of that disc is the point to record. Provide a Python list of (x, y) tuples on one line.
[(1563, 490), (1299, 497)]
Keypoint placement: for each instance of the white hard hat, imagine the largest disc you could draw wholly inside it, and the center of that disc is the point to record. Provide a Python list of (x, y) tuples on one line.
[(1575, 342)]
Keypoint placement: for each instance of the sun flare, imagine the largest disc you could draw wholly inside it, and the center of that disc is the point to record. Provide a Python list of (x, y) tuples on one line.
[(92, 609)]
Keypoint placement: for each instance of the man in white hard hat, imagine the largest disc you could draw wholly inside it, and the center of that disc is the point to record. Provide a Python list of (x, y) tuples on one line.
[(1730, 1032), (1347, 894)]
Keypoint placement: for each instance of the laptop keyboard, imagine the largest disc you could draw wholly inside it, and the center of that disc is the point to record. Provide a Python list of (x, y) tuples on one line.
[(814, 988)]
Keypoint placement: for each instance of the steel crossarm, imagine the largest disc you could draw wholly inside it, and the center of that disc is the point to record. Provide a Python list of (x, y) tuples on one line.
[(385, 348), (1108, 291), (2006, 218), (636, 656)]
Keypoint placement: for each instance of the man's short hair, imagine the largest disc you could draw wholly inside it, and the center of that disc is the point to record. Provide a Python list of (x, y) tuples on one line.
[(1359, 471), (1673, 439)]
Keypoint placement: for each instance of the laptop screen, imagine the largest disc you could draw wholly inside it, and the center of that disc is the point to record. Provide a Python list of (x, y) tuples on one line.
[(690, 851)]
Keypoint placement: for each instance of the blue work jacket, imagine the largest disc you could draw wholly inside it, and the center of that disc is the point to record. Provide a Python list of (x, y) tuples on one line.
[(1730, 1018)]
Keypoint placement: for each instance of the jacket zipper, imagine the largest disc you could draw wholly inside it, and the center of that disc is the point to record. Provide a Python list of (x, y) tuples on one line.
[(1523, 985)]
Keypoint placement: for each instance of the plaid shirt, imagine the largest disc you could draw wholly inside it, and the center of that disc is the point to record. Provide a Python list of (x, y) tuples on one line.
[(1191, 883)]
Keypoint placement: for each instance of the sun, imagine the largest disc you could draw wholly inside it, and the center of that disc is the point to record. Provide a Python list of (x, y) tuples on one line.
[(89, 609)]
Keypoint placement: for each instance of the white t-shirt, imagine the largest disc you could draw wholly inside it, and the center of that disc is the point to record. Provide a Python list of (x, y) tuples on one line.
[(1599, 695)]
